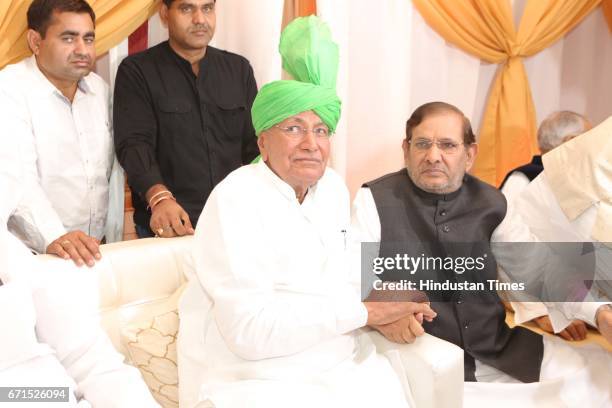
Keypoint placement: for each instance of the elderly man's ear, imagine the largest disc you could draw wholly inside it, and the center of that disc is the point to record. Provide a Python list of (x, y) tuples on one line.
[(472, 152), (261, 141)]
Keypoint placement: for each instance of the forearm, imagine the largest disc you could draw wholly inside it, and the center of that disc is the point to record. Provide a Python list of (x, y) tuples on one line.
[(35, 221), (135, 129), (284, 322)]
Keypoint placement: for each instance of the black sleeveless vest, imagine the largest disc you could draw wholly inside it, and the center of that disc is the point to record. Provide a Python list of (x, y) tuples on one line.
[(530, 170), (457, 224)]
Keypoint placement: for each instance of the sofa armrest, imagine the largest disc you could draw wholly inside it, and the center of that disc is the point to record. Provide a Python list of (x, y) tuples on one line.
[(433, 368)]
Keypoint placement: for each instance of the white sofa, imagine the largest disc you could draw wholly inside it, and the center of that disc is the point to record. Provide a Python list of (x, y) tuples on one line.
[(134, 275)]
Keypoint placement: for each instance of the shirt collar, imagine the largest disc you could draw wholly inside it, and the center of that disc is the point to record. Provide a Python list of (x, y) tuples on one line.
[(186, 64), (285, 189), (46, 87)]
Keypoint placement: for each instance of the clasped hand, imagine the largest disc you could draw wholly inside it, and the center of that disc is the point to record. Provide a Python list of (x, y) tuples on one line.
[(398, 315)]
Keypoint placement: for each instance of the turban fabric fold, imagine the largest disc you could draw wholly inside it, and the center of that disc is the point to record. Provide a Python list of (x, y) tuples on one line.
[(311, 58)]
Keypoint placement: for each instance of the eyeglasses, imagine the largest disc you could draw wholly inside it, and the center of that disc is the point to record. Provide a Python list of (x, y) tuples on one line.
[(446, 146), (297, 131)]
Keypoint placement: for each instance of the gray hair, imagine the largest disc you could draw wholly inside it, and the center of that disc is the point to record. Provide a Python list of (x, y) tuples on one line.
[(558, 127)]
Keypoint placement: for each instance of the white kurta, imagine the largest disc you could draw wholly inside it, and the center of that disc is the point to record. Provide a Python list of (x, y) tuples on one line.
[(515, 184), (270, 317), (512, 190), (51, 335), (537, 199), (570, 376)]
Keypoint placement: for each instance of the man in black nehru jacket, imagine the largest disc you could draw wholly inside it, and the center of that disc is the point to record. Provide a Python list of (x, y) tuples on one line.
[(434, 210)]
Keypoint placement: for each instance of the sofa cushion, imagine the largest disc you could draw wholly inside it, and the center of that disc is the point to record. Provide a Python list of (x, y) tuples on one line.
[(150, 340)]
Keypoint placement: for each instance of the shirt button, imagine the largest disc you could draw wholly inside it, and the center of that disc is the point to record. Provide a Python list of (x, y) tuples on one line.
[(443, 213), (445, 228), (466, 324), (459, 301)]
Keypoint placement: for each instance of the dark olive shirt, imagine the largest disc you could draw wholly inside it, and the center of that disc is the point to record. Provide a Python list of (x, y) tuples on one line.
[(183, 131)]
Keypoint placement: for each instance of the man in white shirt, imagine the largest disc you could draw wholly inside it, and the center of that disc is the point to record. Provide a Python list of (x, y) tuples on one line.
[(433, 209), (558, 128), (51, 335), (270, 318), (58, 111)]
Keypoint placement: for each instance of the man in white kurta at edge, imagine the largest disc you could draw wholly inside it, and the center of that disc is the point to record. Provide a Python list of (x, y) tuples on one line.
[(567, 376), (271, 317), (558, 128)]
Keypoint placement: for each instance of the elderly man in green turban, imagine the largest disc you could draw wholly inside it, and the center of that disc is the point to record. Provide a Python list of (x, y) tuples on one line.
[(270, 316)]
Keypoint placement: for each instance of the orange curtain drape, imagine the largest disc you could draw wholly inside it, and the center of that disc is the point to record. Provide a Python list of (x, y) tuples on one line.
[(306, 7), (606, 6), (298, 8), (115, 21), (485, 29)]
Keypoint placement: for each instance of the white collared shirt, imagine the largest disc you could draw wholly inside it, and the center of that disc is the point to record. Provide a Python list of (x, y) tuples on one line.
[(66, 152)]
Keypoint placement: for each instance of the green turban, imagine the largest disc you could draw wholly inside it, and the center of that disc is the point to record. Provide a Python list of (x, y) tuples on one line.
[(311, 58)]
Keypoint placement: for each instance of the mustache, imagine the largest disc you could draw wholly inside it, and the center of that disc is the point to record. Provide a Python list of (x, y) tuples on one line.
[(199, 27), (80, 58), (438, 168)]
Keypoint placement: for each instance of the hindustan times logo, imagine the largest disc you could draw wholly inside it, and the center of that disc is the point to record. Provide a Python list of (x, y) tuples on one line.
[(411, 264)]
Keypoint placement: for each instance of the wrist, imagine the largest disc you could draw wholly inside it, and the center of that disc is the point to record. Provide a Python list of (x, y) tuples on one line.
[(155, 202)]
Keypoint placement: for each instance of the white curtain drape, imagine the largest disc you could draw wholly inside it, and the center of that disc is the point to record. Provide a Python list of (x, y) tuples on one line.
[(252, 29), (374, 84), (395, 62)]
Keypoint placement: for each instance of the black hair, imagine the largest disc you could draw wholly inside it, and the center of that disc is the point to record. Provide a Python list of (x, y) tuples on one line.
[(41, 12)]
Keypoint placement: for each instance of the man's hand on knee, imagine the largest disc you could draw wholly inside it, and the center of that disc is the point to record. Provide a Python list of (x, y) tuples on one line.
[(78, 246)]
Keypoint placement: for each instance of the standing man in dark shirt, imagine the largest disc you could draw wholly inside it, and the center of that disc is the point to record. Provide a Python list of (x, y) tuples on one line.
[(182, 120)]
